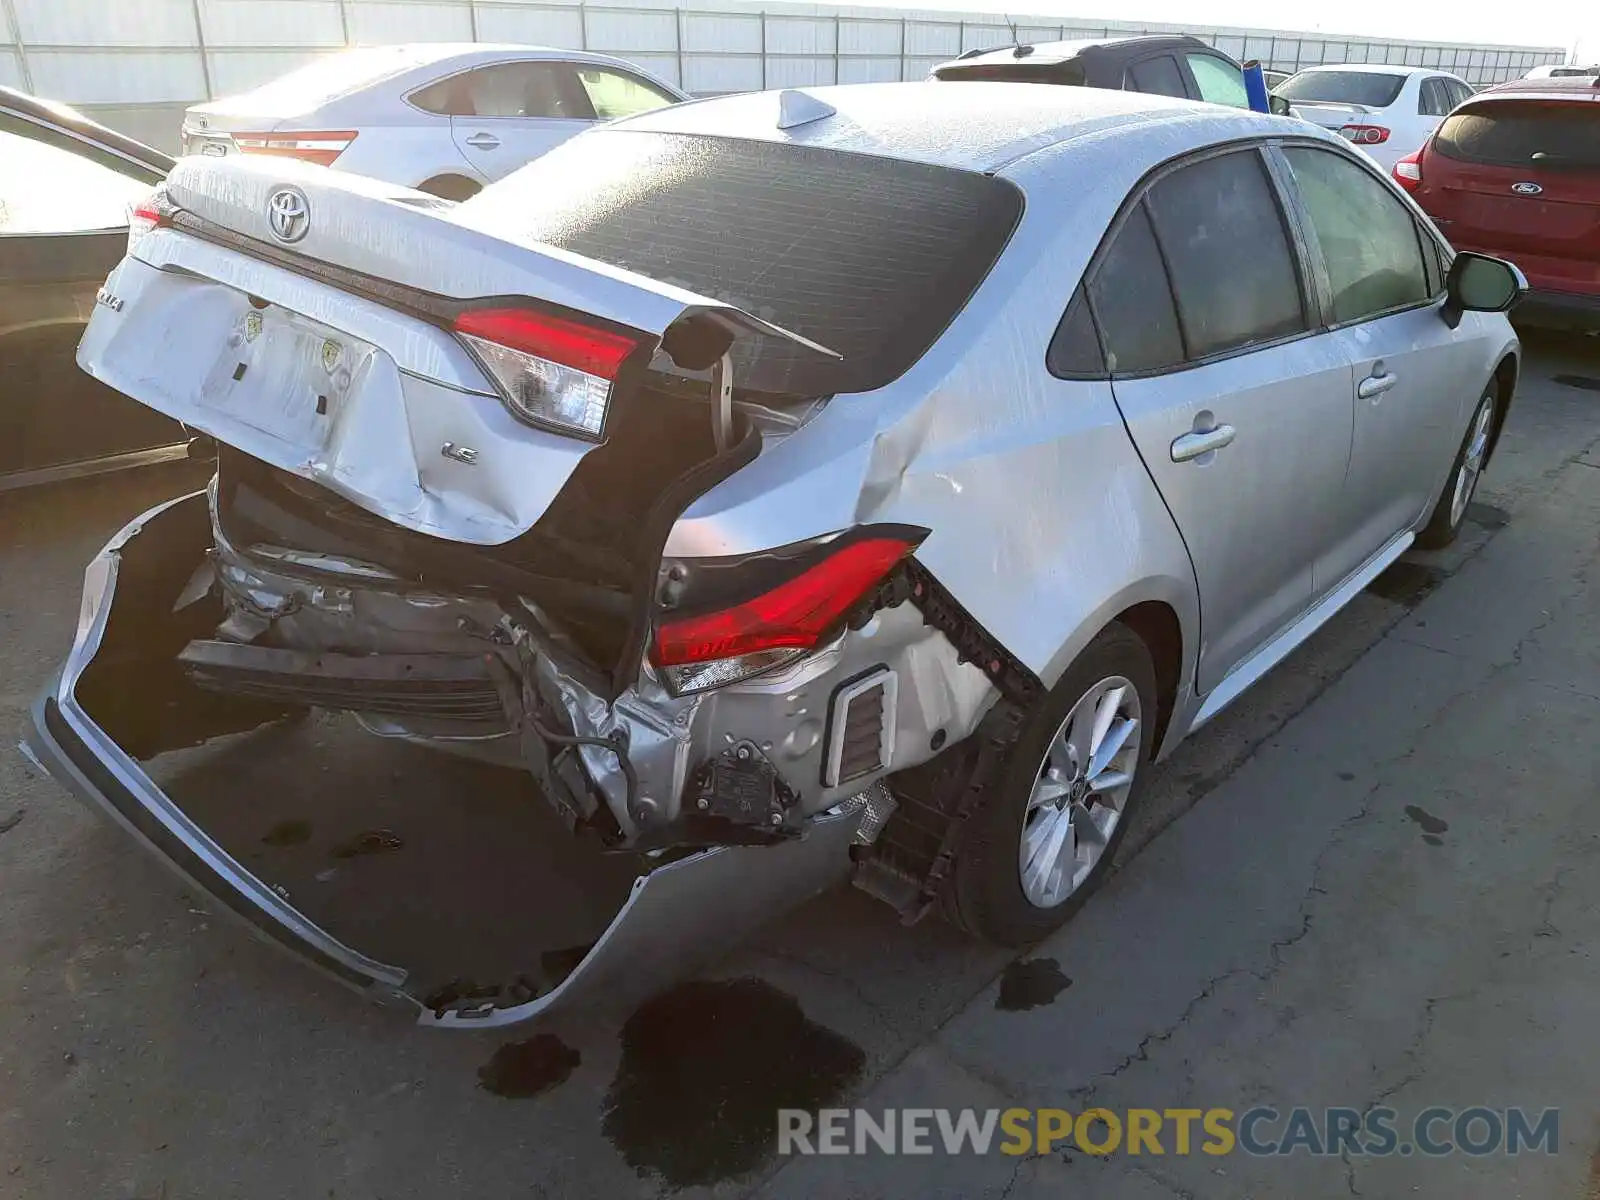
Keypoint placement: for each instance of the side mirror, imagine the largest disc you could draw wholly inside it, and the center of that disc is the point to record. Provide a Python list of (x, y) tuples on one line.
[(1478, 283), (1280, 106)]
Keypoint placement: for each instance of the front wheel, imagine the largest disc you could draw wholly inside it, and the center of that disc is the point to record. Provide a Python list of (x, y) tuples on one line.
[(1451, 512), (1046, 840)]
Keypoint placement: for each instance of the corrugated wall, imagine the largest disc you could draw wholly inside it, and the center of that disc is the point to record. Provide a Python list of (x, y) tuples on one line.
[(136, 65)]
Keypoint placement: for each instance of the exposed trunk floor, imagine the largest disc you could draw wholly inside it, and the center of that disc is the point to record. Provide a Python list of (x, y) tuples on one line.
[(483, 880)]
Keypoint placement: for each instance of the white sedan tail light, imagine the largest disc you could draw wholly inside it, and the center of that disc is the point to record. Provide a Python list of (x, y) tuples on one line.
[(1364, 135), (314, 146), (551, 372), (153, 212)]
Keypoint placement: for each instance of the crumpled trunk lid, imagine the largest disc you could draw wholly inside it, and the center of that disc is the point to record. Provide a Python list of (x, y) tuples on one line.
[(324, 348)]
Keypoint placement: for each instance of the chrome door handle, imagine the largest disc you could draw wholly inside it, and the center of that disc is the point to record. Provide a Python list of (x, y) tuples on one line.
[(483, 141), (1193, 445), (1376, 385)]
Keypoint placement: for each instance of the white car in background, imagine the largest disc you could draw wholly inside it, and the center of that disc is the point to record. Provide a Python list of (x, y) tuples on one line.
[(1558, 71), (444, 118), (1389, 111)]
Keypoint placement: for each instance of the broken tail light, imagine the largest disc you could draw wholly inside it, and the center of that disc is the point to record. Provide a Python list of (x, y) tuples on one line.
[(1365, 135), (1408, 171), (800, 601), (151, 213), (314, 146), (551, 372)]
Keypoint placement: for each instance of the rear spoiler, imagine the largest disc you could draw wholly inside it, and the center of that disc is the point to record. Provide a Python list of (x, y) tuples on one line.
[(373, 229)]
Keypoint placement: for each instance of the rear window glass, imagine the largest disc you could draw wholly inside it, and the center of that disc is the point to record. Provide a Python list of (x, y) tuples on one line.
[(1369, 88), (869, 256), (1512, 134), (335, 75), (1070, 73)]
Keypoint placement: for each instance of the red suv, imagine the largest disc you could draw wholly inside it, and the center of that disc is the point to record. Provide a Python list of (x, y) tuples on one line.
[(1515, 172)]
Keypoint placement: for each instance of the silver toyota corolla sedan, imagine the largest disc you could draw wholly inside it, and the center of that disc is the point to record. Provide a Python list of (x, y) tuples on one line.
[(864, 481)]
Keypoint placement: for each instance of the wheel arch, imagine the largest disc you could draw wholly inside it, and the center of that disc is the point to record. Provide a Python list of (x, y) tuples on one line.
[(450, 185), (1164, 612), (1505, 377), (1157, 626)]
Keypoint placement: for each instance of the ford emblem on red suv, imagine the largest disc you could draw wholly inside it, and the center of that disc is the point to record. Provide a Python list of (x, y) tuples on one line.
[(1526, 189)]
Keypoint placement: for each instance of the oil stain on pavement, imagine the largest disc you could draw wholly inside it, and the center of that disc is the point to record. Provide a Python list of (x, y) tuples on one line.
[(1432, 826), (1407, 583), (520, 1070), (1030, 984), (705, 1068)]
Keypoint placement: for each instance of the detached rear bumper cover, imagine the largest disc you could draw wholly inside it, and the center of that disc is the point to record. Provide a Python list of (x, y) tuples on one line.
[(674, 913)]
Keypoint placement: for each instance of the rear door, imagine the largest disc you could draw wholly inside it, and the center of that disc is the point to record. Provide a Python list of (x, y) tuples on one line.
[(1411, 384), (508, 114), (1521, 178), (1239, 409)]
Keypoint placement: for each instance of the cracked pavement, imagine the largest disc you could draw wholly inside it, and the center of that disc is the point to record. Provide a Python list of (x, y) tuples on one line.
[(1279, 932)]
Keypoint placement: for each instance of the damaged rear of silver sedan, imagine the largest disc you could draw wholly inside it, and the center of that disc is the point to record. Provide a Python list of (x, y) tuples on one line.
[(707, 475)]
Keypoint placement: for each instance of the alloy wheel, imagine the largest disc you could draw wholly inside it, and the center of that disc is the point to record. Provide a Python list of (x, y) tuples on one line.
[(1080, 792), (1472, 460)]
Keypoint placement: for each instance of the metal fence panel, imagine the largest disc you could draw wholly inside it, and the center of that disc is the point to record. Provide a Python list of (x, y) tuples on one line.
[(125, 77), (532, 24), (146, 23), (255, 23), (399, 21), (129, 62)]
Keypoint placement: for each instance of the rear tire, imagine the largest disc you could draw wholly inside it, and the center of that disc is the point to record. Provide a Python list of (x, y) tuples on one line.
[(987, 893), (1444, 526), (450, 187)]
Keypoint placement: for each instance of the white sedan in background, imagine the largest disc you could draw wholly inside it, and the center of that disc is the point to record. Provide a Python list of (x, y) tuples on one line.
[(1389, 111), (444, 118)]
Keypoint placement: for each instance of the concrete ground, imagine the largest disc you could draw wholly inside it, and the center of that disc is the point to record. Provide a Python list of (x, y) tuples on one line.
[(1368, 882)]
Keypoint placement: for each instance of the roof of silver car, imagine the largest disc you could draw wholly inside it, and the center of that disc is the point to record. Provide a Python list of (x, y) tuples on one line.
[(978, 126)]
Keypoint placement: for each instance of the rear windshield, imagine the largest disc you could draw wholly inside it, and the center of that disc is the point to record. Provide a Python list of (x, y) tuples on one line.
[(1367, 88), (1070, 72), (336, 75), (869, 256), (1524, 134)]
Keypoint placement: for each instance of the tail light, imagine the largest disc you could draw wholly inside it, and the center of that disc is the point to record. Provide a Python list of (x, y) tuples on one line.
[(1364, 135), (153, 212), (315, 146), (1408, 171), (787, 618), (551, 372)]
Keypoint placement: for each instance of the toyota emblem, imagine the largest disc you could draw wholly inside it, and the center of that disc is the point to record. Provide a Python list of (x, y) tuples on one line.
[(288, 214), (1526, 189)]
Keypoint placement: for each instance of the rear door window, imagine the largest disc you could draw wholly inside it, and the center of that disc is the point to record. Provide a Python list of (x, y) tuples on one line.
[(1157, 76), (1133, 301), (614, 94), (870, 256), (1220, 82), (1515, 133), (1431, 98), (1228, 250), (1368, 239), (509, 90)]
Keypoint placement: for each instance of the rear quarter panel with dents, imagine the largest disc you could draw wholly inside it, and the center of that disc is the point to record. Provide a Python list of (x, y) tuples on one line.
[(1045, 523)]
